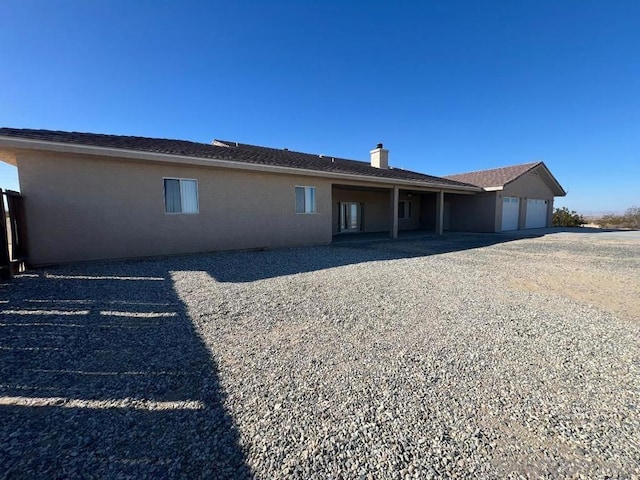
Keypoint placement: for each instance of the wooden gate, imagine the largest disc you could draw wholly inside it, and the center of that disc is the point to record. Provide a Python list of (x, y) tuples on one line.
[(13, 234)]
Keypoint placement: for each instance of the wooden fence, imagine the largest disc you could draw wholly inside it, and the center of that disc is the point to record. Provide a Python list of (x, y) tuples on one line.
[(13, 234)]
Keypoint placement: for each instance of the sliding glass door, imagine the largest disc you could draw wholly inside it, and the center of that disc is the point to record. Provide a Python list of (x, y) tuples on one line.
[(350, 217)]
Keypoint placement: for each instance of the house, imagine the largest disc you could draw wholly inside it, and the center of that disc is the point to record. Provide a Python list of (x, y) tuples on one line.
[(93, 196)]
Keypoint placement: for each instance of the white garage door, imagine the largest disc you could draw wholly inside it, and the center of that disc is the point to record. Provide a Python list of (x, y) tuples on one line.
[(536, 213), (510, 213)]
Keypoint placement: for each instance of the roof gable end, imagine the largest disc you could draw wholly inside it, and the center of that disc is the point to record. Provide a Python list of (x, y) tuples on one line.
[(498, 178), (494, 177)]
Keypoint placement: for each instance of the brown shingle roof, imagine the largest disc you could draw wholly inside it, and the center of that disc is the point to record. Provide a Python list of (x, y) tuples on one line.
[(496, 177), (231, 151)]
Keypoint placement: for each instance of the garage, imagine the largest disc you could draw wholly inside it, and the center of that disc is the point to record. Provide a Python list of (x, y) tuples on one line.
[(510, 213), (522, 198), (536, 216)]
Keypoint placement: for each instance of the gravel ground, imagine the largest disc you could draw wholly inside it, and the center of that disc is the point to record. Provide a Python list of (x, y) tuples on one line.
[(460, 356)]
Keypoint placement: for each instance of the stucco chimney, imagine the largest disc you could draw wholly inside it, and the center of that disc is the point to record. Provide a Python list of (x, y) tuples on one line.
[(380, 157)]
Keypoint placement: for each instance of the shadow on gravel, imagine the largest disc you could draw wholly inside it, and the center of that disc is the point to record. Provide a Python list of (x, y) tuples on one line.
[(258, 265), (102, 375)]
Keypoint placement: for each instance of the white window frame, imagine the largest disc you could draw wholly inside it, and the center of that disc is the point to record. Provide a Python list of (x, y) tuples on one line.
[(181, 180), (308, 209), (407, 209)]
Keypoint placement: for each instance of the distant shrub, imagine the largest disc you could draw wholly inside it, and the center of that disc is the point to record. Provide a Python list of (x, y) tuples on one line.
[(562, 217), (630, 219)]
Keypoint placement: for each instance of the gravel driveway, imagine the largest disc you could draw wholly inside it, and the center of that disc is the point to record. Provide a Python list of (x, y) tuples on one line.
[(476, 356)]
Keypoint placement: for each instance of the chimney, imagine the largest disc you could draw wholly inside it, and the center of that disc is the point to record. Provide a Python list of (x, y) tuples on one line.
[(380, 157)]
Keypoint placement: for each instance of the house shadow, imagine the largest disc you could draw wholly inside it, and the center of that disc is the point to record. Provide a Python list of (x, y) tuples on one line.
[(580, 229), (103, 375), (593, 230), (249, 266)]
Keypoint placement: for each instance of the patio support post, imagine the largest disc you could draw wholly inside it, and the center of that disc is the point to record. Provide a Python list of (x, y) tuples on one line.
[(395, 194), (439, 212)]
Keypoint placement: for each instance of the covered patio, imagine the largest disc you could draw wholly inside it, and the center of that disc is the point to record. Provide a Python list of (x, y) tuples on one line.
[(363, 209)]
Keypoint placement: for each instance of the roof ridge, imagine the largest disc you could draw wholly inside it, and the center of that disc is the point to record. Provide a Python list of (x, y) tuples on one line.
[(236, 152), (233, 144), (285, 149), (497, 168), (44, 131)]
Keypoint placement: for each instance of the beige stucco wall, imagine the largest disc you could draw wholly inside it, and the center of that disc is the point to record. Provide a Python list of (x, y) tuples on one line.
[(530, 185), (471, 213), (85, 208), (412, 223), (428, 211)]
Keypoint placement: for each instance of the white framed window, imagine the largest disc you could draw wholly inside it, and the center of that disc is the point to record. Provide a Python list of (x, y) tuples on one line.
[(180, 195), (305, 199), (404, 209)]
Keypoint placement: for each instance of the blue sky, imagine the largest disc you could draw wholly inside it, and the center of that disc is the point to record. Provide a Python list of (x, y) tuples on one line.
[(448, 86)]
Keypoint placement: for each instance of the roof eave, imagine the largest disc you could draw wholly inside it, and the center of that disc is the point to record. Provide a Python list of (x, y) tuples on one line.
[(559, 192), (8, 156), (12, 145)]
